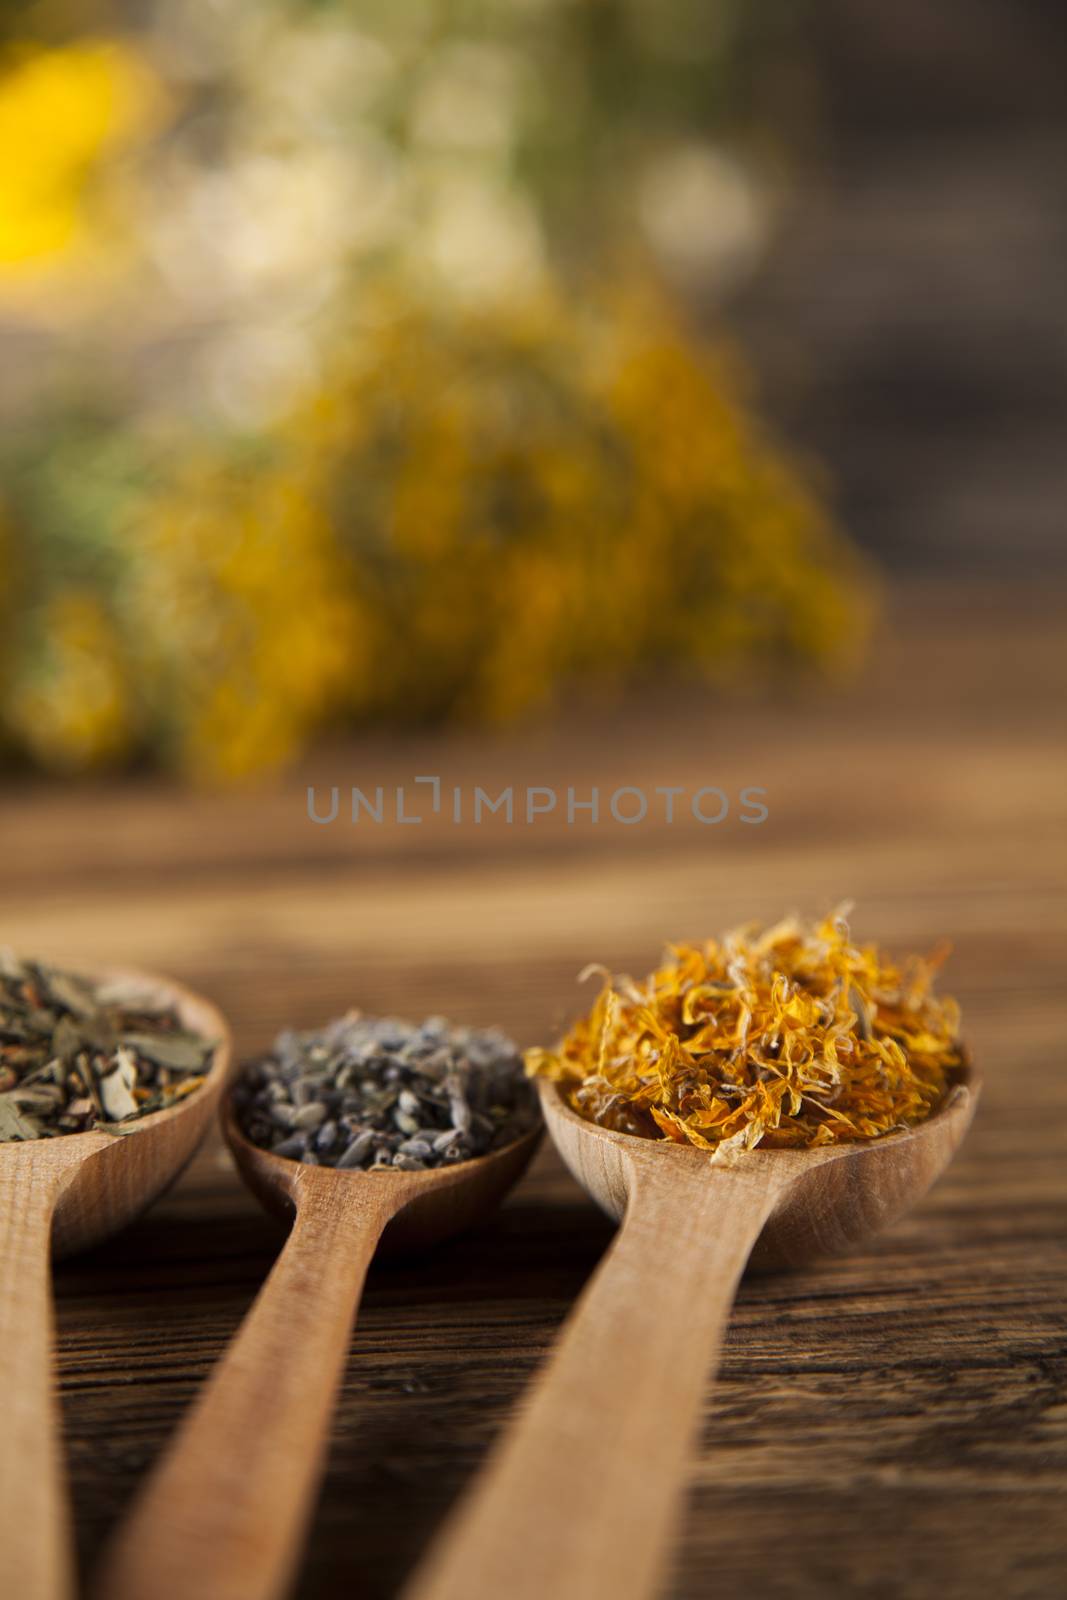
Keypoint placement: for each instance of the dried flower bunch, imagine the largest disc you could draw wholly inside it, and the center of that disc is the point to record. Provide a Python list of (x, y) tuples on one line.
[(462, 481), (369, 1092), (783, 1038), (77, 1054), (348, 335)]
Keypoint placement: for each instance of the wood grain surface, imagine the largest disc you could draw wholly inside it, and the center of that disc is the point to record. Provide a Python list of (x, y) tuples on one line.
[(889, 1423), (606, 1431)]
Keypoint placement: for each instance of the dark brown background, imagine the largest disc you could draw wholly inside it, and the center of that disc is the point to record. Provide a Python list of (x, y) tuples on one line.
[(910, 323)]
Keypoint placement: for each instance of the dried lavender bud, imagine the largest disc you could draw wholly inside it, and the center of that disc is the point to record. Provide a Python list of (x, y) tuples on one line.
[(310, 1116), (358, 1152), (293, 1147), (415, 1147), (365, 1093)]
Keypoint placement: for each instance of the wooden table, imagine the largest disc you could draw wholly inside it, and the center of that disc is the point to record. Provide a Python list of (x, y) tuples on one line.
[(890, 1424)]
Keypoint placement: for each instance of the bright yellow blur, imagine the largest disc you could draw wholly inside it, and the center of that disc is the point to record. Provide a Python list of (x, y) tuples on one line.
[(61, 112)]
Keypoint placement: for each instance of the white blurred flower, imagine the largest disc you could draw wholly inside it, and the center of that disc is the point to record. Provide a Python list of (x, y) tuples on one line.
[(198, 40), (306, 145), (321, 77), (265, 221), (254, 374), (479, 239), (468, 100), (703, 214)]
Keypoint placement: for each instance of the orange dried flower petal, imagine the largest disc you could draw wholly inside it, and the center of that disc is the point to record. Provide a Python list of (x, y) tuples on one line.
[(786, 1037)]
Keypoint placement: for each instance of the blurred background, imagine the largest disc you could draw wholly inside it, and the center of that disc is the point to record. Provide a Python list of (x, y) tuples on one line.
[(574, 393), (404, 364)]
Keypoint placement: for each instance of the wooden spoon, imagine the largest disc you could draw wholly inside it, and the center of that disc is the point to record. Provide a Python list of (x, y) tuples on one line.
[(60, 1195), (580, 1497), (224, 1515)]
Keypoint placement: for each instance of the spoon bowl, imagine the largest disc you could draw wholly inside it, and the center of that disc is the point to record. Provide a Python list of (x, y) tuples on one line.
[(432, 1205), (223, 1516), (602, 1442), (57, 1196), (112, 1179), (830, 1198)]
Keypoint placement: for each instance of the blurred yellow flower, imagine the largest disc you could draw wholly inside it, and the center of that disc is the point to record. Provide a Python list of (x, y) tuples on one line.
[(248, 626), (339, 440), (61, 112), (71, 708), (567, 492), (476, 512)]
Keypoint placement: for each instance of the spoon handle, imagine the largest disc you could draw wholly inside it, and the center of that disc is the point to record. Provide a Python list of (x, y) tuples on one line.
[(581, 1495), (223, 1516), (34, 1520)]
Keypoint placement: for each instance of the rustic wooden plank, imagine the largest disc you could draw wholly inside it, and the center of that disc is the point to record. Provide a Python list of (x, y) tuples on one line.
[(891, 1423)]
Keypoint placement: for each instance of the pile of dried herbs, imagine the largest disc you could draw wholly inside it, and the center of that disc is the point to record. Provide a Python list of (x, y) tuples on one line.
[(76, 1054), (367, 1092), (788, 1037)]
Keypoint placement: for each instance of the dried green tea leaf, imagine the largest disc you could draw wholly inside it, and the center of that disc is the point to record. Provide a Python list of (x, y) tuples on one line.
[(66, 1039), (181, 1052), (72, 993), (76, 1056), (14, 1122)]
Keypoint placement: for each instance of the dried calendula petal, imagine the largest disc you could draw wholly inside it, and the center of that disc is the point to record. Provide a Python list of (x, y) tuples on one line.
[(783, 1038)]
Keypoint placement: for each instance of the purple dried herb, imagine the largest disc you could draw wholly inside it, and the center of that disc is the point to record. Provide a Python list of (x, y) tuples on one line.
[(369, 1092)]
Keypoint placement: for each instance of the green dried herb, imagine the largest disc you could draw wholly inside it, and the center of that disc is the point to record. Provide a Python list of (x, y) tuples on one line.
[(76, 1054)]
